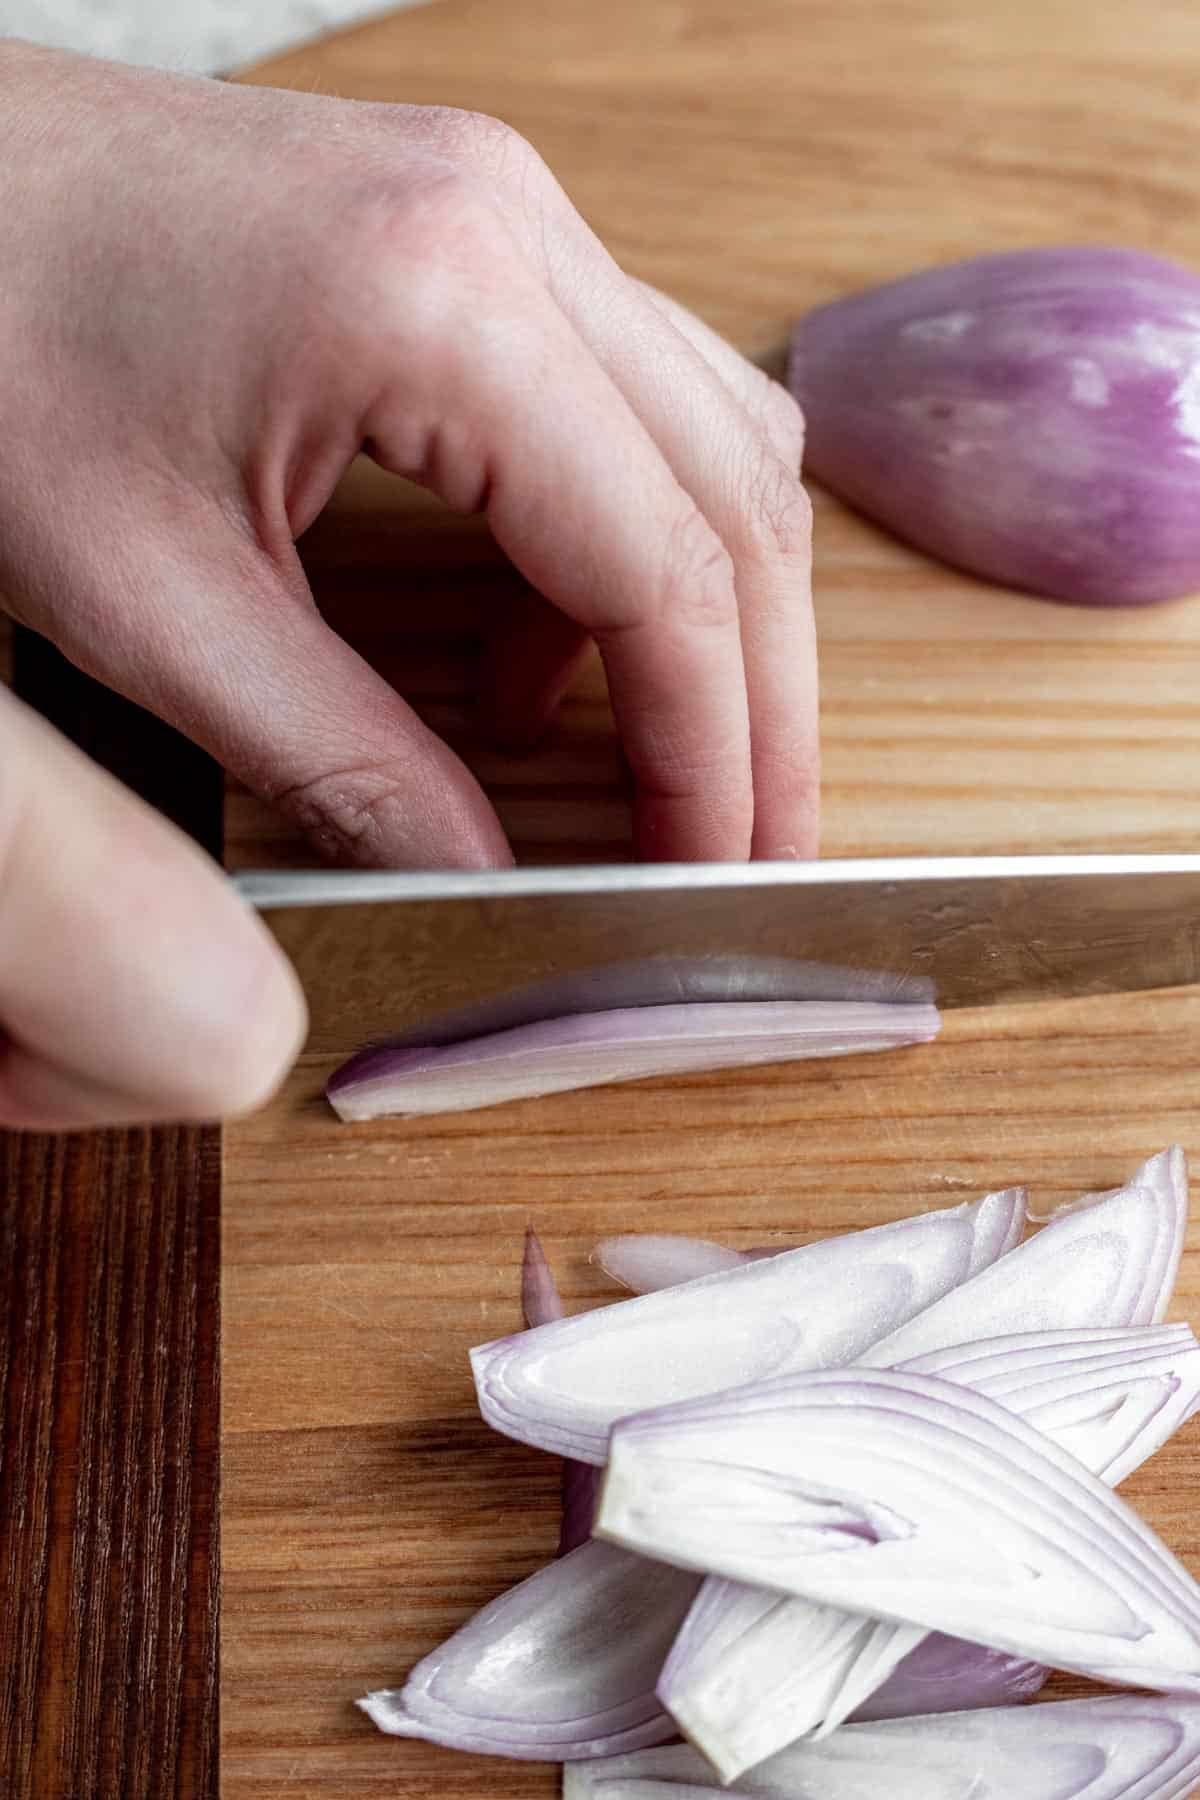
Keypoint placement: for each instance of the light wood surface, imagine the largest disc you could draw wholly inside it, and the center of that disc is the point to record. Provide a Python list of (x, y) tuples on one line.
[(754, 157)]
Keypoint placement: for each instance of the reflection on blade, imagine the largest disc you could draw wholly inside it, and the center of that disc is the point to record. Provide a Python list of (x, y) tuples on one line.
[(663, 981)]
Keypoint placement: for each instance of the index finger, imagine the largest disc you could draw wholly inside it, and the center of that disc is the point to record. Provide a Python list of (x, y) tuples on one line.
[(583, 501)]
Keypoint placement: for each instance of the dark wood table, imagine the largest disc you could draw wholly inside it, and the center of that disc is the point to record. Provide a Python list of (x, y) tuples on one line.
[(109, 1419)]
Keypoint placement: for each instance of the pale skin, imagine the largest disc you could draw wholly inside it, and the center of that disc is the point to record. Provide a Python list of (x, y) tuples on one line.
[(213, 298)]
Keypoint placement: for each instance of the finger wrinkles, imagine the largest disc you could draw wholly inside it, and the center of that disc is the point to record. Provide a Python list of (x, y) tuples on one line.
[(359, 814), (340, 811), (669, 766), (698, 576), (777, 513)]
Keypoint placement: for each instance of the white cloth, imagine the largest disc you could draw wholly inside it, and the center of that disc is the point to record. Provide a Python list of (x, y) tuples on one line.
[(209, 37)]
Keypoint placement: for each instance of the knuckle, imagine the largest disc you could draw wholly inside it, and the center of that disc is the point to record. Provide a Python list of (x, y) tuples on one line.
[(423, 254), (679, 771), (492, 146), (778, 512), (441, 216), (511, 171), (698, 572), (342, 811)]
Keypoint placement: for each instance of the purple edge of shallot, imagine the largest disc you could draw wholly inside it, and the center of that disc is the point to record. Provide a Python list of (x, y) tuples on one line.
[(945, 1674), (541, 1303), (898, 1025)]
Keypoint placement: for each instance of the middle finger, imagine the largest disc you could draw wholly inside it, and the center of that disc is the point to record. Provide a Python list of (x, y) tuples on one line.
[(732, 464)]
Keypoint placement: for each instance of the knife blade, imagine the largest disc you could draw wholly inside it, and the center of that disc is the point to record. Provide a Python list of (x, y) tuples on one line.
[(380, 952)]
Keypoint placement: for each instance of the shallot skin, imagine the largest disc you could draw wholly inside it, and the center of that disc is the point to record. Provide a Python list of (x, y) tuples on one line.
[(1030, 417)]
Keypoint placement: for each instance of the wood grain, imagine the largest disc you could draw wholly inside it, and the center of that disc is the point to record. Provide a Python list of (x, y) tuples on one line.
[(367, 1511), (109, 1428), (754, 157)]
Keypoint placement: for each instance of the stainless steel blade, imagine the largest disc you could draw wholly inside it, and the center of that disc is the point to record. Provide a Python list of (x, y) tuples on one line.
[(379, 953)]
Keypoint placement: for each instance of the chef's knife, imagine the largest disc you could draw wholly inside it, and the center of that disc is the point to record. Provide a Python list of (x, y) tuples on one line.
[(380, 952)]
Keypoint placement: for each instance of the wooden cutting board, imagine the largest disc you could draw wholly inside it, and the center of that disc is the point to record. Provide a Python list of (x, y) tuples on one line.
[(754, 157)]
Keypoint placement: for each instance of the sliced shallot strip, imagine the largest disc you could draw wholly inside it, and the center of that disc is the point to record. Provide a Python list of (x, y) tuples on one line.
[(1114, 1747), (1109, 1397), (1113, 1263), (592, 1049), (915, 1500), (563, 1386), (561, 1667), (648, 1261)]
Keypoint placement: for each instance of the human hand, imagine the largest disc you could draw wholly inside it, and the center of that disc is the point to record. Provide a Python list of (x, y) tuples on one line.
[(215, 296)]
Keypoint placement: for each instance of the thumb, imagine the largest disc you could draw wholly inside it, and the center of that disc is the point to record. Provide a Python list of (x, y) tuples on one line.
[(134, 984)]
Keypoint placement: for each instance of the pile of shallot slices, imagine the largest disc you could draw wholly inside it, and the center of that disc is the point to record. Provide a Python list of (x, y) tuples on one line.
[(832, 1515)]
